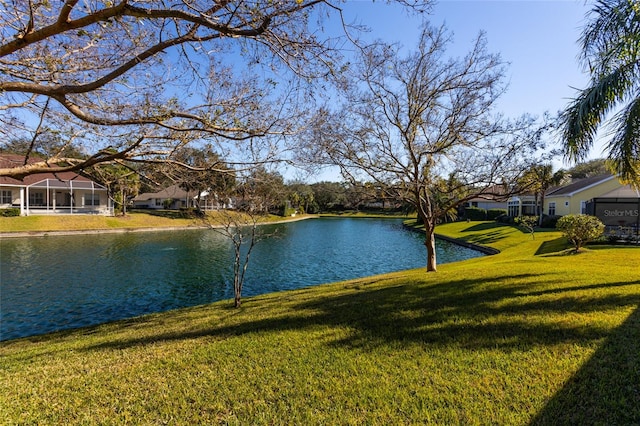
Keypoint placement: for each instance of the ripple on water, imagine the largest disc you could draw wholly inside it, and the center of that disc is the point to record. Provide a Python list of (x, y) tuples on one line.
[(56, 283)]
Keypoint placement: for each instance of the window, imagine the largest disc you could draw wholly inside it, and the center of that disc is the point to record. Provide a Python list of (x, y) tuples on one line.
[(583, 207), (552, 209), (36, 199), (91, 199), (6, 197), (529, 208), (514, 207)]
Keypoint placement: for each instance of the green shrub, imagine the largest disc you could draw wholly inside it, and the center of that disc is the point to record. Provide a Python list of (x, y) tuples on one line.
[(527, 222), (475, 213), (493, 214), (11, 212), (505, 218), (287, 211), (549, 221), (579, 229)]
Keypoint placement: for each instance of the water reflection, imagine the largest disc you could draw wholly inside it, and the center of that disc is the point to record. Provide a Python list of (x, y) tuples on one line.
[(55, 283)]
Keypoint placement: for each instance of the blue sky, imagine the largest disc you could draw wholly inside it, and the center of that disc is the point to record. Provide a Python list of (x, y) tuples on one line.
[(539, 39)]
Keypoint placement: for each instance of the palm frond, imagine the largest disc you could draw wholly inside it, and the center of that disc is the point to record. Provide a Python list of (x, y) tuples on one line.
[(624, 147), (584, 115), (611, 38)]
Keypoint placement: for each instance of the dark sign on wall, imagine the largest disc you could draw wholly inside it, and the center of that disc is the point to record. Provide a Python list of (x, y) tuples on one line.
[(616, 211)]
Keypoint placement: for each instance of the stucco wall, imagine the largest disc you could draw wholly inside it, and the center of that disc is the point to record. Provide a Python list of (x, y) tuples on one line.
[(572, 203)]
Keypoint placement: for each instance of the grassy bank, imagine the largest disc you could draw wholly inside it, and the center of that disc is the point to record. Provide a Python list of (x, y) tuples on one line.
[(136, 220), (533, 335), (89, 222)]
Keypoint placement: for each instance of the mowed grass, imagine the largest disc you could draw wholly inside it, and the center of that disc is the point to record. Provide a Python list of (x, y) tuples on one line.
[(533, 335), (89, 222), (136, 220)]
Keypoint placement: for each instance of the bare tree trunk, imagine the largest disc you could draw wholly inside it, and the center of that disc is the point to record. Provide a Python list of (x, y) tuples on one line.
[(237, 278), (124, 202), (430, 243), (429, 235), (237, 291)]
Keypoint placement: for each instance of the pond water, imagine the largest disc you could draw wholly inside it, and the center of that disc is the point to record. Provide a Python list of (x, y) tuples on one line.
[(63, 282)]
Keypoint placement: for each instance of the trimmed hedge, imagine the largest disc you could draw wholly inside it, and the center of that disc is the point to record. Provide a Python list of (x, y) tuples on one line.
[(493, 214), (475, 213), (11, 212)]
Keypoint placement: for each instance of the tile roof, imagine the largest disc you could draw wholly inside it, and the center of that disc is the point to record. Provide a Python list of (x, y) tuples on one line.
[(12, 160)]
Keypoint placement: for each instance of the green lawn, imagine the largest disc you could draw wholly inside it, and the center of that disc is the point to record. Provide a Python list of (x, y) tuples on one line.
[(533, 335), (135, 220), (89, 222)]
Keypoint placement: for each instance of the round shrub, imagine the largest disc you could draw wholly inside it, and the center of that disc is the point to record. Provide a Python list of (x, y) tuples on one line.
[(579, 229)]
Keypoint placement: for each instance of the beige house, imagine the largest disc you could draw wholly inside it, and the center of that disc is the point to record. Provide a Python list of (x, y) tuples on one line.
[(491, 198), (51, 193), (573, 198), (174, 198)]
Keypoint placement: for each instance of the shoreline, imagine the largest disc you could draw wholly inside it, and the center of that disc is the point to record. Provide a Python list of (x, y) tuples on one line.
[(58, 233), (489, 251)]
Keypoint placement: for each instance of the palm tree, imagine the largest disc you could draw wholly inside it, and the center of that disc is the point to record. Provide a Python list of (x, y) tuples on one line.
[(611, 53), (538, 179)]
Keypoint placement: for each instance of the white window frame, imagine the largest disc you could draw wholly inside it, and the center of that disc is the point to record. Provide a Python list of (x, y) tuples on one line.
[(6, 196)]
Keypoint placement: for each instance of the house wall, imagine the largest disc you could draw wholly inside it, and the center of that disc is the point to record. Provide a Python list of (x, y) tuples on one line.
[(15, 197), (57, 200), (144, 204), (159, 204), (576, 202), (523, 205), (487, 204), (89, 199)]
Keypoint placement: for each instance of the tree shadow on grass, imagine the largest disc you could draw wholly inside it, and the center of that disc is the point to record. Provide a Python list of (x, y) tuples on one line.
[(464, 313), (553, 246), (485, 237), (484, 226), (509, 313), (606, 390)]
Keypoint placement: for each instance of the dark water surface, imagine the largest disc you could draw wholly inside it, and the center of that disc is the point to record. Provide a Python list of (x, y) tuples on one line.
[(62, 282)]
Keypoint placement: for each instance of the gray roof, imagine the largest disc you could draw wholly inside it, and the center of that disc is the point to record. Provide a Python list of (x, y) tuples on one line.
[(579, 185), (626, 191), (174, 191)]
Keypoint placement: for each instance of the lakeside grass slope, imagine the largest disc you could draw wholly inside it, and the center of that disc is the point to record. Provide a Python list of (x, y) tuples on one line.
[(533, 335), (133, 220), (89, 222)]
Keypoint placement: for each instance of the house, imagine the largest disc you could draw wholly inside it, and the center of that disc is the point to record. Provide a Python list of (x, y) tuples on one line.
[(522, 205), (489, 199), (573, 198), (171, 198), (174, 198), (51, 193)]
